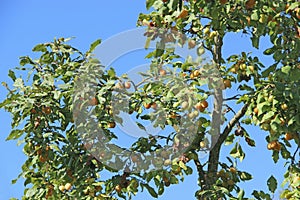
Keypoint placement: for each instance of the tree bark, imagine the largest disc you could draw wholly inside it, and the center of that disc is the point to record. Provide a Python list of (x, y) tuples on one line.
[(216, 118)]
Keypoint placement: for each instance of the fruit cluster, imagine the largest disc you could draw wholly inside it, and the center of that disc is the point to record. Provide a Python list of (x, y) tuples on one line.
[(274, 145)]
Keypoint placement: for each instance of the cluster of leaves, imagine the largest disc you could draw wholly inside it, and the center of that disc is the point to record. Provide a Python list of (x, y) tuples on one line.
[(66, 89), (271, 95), (58, 165)]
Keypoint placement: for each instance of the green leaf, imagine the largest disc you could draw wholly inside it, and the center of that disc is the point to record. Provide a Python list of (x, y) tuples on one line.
[(272, 184), (159, 52), (149, 3), (150, 190), (161, 190), (14, 134), (246, 87), (188, 171), (111, 73), (293, 6), (40, 47), (275, 156), (255, 41), (14, 181), (56, 94), (93, 46), (182, 165), (229, 139), (279, 55), (234, 150), (237, 152), (269, 51), (141, 126), (286, 69), (241, 195), (269, 70), (25, 60), (254, 16), (247, 121), (261, 195), (256, 194), (12, 75), (174, 180), (245, 176)]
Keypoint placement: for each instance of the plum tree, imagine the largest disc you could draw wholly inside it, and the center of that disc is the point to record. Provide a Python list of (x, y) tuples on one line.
[(62, 165)]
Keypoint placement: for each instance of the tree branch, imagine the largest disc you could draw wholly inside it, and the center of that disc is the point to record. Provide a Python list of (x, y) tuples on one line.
[(215, 151), (216, 118), (201, 173), (232, 123)]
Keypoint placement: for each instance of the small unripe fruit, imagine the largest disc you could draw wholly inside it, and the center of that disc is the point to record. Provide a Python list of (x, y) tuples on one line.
[(68, 186), (191, 44), (118, 188), (196, 73), (42, 159), (289, 136), (192, 75), (284, 106), (270, 146), (62, 188), (145, 22), (36, 124), (198, 106), (202, 144), (227, 83), (277, 146), (167, 162), (274, 145), (162, 72), (127, 85), (251, 68), (206, 31), (238, 132), (93, 101), (147, 105), (184, 105), (243, 66), (213, 34), (46, 110), (204, 104), (232, 170), (270, 98), (233, 70), (111, 124), (255, 110)]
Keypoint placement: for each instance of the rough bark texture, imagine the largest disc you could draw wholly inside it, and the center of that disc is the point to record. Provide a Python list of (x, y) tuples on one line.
[(216, 118)]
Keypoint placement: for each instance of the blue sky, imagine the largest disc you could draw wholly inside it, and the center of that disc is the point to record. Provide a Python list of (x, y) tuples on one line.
[(27, 23)]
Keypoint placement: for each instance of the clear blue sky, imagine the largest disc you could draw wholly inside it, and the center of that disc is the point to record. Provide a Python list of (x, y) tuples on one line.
[(27, 23)]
